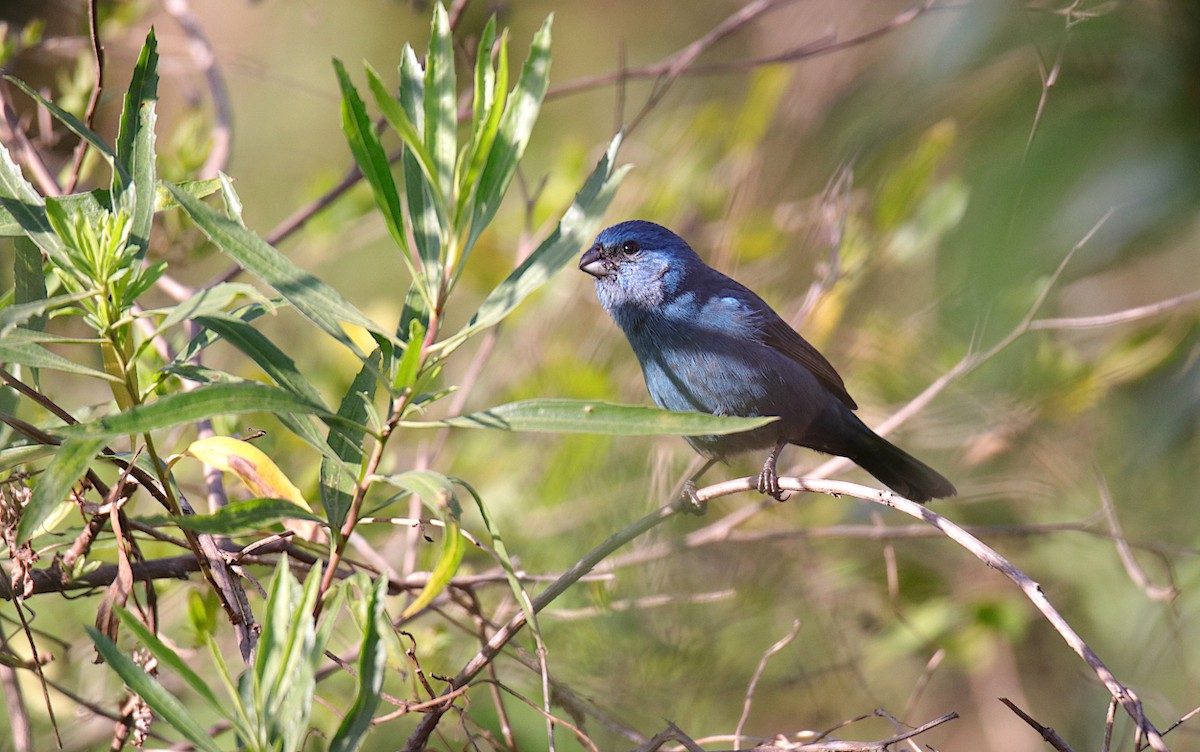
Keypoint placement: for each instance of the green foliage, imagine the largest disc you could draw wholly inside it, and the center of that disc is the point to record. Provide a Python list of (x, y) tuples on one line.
[(268, 707)]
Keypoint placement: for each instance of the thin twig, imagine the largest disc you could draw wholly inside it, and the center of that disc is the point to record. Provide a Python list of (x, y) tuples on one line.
[(748, 700), (1050, 735), (90, 113), (420, 736), (1032, 590)]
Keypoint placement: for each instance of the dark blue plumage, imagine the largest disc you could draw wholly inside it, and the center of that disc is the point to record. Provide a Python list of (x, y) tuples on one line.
[(707, 343)]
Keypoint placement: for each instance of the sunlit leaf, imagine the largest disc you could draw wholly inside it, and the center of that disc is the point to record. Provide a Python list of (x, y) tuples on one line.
[(135, 180), (515, 128), (317, 301), (574, 231), (586, 416), (250, 464), (200, 403), (36, 356)]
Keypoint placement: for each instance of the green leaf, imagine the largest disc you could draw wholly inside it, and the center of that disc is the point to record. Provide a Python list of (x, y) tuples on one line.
[(317, 301), (94, 203), (70, 462), (29, 278), (239, 517), (491, 94), (202, 402), (274, 362), (437, 494), (156, 696), (16, 315), (574, 230), (36, 356), (347, 445), (74, 124), (27, 208), (13, 456), (289, 651), (515, 129), (134, 180), (584, 416), (441, 111), (372, 161), (168, 658), (404, 124), (372, 665), (510, 571)]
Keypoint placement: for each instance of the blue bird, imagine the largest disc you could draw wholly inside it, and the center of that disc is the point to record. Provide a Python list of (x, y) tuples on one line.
[(708, 343)]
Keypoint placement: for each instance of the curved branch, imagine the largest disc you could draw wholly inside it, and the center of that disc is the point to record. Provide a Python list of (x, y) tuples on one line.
[(980, 550)]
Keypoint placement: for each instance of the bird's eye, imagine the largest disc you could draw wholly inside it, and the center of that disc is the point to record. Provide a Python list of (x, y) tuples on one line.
[(630, 247)]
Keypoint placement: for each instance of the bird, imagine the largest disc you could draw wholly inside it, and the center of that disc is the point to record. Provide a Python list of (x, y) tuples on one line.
[(707, 343)]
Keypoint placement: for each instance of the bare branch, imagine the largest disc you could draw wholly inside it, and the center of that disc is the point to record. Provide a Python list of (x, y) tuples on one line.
[(90, 113), (1050, 735), (780, 644), (206, 61), (1032, 590)]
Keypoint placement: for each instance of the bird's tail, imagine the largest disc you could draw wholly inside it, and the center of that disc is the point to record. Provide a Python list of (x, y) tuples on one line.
[(897, 469)]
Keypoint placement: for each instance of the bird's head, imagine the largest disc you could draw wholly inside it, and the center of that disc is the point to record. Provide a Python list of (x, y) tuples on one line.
[(638, 265)]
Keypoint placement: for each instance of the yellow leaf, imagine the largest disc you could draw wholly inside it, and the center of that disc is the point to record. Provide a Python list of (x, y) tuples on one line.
[(258, 471)]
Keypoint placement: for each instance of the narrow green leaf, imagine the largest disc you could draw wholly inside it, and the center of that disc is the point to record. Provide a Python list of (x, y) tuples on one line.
[(205, 301), (372, 665), (574, 230), (162, 702), (494, 96), (510, 571), (423, 211), (428, 484), (163, 200), (368, 153), (317, 301), (584, 416), (168, 658), (36, 356), (203, 402), (94, 203), (402, 122), (347, 445), (70, 462), (14, 456), (134, 180), (485, 76), (207, 337), (17, 315), (515, 128), (444, 571), (239, 517), (274, 361), (27, 208), (29, 278), (407, 367), (74, 124), (441, 111)]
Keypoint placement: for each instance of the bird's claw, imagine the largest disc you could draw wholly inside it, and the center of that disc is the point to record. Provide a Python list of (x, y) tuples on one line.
[(695, 505), (768, 483)]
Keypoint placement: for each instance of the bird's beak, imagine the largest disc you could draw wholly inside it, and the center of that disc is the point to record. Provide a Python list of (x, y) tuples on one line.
[(593, 263)]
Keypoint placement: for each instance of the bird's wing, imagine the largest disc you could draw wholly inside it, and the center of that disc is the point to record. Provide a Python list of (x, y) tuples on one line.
[(778, 335), (775, 333)]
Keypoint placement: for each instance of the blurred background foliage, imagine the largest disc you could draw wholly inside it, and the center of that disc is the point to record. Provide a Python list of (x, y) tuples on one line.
[(955, 159)]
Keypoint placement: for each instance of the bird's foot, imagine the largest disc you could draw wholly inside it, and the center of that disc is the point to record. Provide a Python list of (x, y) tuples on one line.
[(768, 483), (695, 505)]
